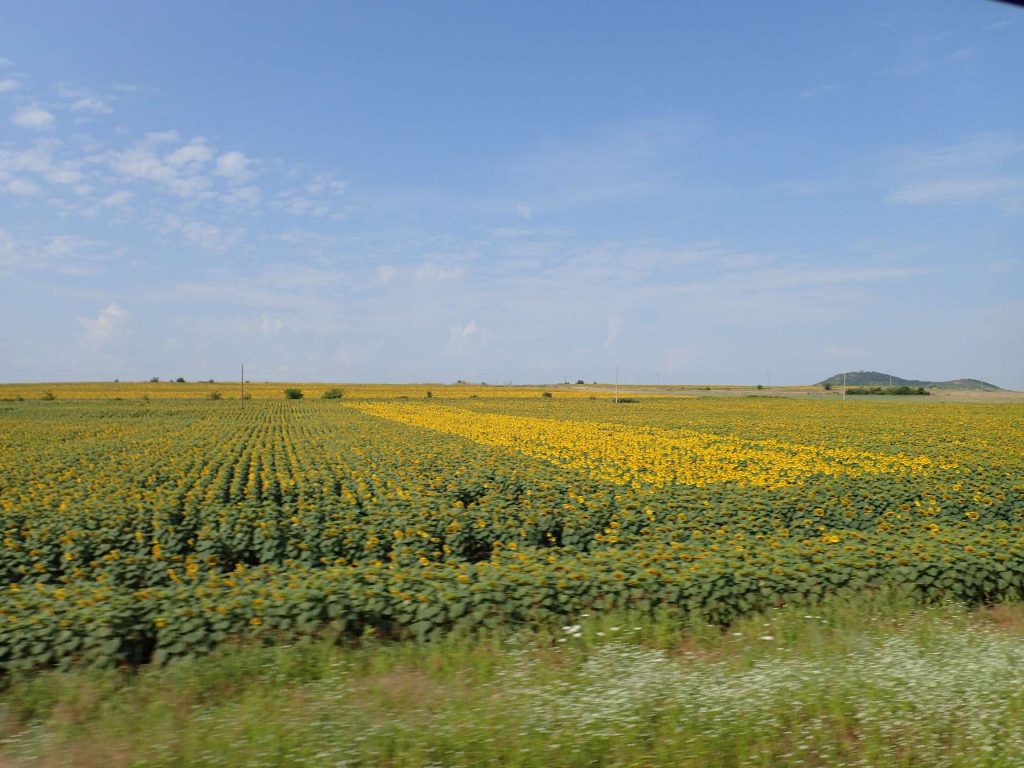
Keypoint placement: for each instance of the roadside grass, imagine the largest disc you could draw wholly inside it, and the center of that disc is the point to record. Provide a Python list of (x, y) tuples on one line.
[(870, 680)]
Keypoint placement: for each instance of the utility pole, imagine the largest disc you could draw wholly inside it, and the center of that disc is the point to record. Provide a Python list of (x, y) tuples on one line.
[(844, 385), (241, 397), (616, 384)]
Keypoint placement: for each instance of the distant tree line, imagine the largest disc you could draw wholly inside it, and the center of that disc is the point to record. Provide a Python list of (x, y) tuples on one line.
[(887, 391)]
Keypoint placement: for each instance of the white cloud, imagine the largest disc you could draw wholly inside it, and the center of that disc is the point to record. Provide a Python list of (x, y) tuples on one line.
[(141, 161), (91, 104), (524, 211), (470, 334), (194, 153), (955, 190), (431, 272), (616, 164), (8, 249), (233, 165), (117, 199), (270, 326), (324, 184), (614, 330), (386, 273), (815, 91), (33, 117), (21, 187), (209, 237), (8, 84), (247, 197), (986, 150), (105, 329), (298, 205), (5, 63)]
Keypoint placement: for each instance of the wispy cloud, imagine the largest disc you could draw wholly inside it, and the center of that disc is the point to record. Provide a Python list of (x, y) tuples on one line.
[(434, 273), (468, 335), (956, 191), (614, 164), (817, 90), (35, 118), (982, 169), (107, 328)]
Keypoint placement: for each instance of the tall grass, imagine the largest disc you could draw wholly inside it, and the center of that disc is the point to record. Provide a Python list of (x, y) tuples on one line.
[(867, 681)]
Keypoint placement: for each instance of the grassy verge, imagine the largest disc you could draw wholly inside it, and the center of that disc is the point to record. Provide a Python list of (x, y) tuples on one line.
[(871, 681)]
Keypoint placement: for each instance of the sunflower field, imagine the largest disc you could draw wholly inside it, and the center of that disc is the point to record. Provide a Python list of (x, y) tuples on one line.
[(138, 531)]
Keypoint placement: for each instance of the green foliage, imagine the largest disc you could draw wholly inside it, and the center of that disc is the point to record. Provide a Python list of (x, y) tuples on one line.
[(214, 396), (887, 391), (293, 393), (48, 395), (168, 531), (792, 686), (332, 394), (546, 394)]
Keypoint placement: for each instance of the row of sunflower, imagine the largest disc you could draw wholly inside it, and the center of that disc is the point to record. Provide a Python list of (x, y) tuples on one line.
[(130, 532)]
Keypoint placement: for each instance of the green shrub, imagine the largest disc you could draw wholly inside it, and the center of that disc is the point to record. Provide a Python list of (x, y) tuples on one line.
[(214, 396), (331, 394), (293, 393), (48, 395), (546, 394)]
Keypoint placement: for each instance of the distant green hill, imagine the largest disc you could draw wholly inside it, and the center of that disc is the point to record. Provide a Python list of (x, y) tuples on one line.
[(876, 379)]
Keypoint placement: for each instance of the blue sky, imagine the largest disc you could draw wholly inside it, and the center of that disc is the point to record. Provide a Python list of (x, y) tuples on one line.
[(699, 192)]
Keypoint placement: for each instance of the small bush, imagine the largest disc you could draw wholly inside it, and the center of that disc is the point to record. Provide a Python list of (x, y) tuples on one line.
[(546, 394), (828, 387), (154, 380), (332, 394), (292, 393), (247, 396), (628, 400), (48, 395), (760, 386), (180, 380), (579, 381), (214, 396)]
